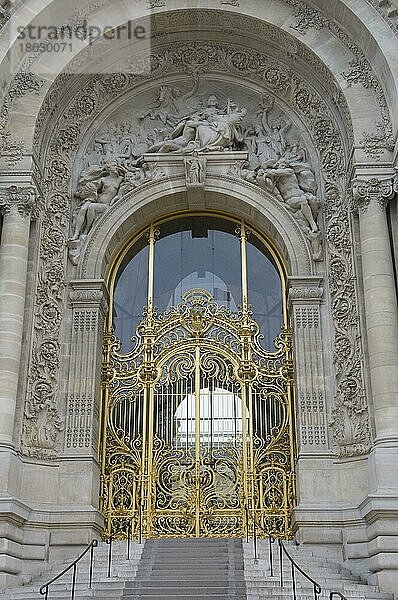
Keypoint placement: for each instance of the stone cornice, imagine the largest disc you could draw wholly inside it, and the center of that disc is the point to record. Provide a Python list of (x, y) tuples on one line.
[(24, 198), (89, 293), (308, 290), (373, 190)]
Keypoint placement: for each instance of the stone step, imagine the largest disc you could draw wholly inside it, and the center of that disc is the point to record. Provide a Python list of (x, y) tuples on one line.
[(199, 569)]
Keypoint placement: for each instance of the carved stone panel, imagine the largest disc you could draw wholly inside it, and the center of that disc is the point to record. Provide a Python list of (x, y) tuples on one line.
[(88, 301), (313, 428), (305, 296), (195, 121)]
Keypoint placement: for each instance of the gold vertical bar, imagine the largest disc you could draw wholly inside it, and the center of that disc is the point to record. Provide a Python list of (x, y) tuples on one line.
[(143, 495), (290, 479), (151, 268), (246, 357), (245, 303), (244, 452), (147, 432), (197, 437), (150, 507), (251, 437)]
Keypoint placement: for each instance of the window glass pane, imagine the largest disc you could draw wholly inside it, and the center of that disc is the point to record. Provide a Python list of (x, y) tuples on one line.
[(131, 293), (264, 291), (197, 253)]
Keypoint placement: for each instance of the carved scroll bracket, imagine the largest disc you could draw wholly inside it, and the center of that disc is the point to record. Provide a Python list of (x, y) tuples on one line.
[(88, 294), (305, 290)]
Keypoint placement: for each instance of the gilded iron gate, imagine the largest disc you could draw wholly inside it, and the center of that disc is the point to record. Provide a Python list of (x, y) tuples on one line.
[(197, 426)]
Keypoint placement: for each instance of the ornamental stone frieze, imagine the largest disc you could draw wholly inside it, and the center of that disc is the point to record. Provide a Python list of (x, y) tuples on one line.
[(360, 72)]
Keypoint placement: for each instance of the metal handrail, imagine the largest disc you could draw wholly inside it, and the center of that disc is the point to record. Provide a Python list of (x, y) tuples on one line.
[(317, 587), (294, 565), (44, 588)]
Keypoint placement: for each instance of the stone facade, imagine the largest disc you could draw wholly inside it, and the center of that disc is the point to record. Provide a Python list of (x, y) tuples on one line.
[(304, 98)]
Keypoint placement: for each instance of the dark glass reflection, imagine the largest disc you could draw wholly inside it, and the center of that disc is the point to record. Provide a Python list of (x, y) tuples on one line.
[(197, 253), (131, 293), (264, 291)]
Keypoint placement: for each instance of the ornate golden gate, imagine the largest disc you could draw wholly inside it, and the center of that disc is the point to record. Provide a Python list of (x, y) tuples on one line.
[(197, 425)]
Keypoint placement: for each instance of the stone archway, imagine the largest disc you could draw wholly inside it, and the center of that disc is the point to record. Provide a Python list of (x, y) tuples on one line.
[(338, 103), (326, 139)]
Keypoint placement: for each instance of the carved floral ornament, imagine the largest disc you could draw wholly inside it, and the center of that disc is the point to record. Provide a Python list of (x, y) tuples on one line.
[(24, 199), (8, 8), (374, 189), (350, 415), (305, 17), (311, 294)]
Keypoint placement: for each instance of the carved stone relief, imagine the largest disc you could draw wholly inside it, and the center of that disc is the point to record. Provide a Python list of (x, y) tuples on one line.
[(195, 170), (255, 67), (191, 123), (381, 190), (25, 199), (306, 17), (24, 82)]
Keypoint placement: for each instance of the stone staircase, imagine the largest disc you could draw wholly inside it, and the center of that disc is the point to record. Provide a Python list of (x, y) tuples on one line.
[(199, 569), (123, 572), (319, 564), (203, 569)]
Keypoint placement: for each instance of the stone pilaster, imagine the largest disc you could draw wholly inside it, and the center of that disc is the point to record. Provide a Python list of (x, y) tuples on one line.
[(380, 509), (305, 295), (88, 299), (18, 205), (381, 312)]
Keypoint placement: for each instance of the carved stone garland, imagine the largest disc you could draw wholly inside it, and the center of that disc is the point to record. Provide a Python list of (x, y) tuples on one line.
[(350, 416)]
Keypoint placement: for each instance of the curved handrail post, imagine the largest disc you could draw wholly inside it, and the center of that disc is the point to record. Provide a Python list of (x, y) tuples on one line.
[(255, 539), (129, 527), (109, 555), (317, 587), (271, 558), (44, 588), (247, 523), (140, 518), (294, 565), (73, 582), (90, 584)]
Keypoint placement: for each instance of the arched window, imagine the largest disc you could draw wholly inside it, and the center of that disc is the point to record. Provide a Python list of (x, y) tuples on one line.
[(199, 252)]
